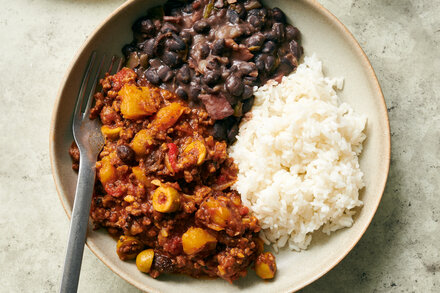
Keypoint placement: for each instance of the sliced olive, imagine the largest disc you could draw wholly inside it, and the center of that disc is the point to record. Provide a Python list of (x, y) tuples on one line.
[(166, 199)]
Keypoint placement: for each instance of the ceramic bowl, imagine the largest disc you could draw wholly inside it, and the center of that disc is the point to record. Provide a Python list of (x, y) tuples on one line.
[(323, 35)]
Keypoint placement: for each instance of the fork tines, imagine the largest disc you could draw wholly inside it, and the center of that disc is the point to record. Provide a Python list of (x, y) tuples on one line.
[(93, 72)]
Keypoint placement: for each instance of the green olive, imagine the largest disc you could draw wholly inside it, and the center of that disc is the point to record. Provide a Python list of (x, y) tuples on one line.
[(166, 199), (144, 260), (128, 247)]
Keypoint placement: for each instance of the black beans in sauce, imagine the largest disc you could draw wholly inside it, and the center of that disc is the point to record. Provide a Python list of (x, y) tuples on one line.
[(214, 48)]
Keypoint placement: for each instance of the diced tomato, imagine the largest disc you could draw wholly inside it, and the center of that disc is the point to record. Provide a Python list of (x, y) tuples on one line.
[(221, 179), (244, 211), (173, 245), (125, 75), (115, 190), (172, 155)]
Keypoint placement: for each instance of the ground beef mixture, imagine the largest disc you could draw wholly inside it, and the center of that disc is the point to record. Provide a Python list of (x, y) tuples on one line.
[(163, 186), (213, 52)]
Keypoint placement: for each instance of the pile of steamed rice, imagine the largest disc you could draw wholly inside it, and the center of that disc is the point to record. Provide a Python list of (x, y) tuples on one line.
[(297, 154)]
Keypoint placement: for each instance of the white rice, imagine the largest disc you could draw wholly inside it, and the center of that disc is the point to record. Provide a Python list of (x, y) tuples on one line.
[(297, 155)]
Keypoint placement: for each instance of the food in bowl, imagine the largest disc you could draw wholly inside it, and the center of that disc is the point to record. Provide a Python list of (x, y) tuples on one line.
[(212, 53), (307, 175), (164, 186), (164, 175)]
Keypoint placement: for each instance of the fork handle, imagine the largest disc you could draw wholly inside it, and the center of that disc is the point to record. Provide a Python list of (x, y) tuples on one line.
[(78, 225)]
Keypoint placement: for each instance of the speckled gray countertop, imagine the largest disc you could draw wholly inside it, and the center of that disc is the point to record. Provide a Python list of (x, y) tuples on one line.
[(400, 251)]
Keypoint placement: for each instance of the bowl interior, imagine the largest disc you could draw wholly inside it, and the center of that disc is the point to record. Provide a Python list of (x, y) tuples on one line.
[(323, 35)]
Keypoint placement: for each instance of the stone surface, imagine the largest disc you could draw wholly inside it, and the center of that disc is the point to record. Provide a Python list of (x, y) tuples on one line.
[(400, 251)]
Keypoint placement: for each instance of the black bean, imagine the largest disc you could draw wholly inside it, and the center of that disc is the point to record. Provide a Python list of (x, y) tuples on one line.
[(184, 74), (181, 93), (295, 49), (248, 67), (149, 47), (278, 15), (194, 90), (260, 61), (232, 134), (269, 47), (152, 76), (234, 85), (212, 64), (147, 27), (211, 77), (219, 130), (278, 30), (232, 16), (186, 36), (247, 92), (255, 40), (255, 21), (201, 26), (250, 80), (163, 263), (244, 68), (241, 10), (211, 90), (269, 63), (126, 154), (218, 46), (204, 51), (292, 33), (289, 60), (168, 27), (171, 59), (271, 35), (260, 13), (165, 73), (247, 105), (175, 44), (253, 12)]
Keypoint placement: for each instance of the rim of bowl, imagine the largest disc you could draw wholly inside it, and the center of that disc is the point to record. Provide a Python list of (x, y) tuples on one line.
[(366, 64)]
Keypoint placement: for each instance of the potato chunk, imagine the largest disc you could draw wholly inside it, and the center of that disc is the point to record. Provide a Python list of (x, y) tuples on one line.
[(265, 266), (140, 176), (167, 116), (110, 132), (220, 215), (137, 102), (195, 240), (141, 142), (107, 172)]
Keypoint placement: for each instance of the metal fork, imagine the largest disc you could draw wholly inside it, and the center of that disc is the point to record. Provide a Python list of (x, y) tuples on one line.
[(89, 139)]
